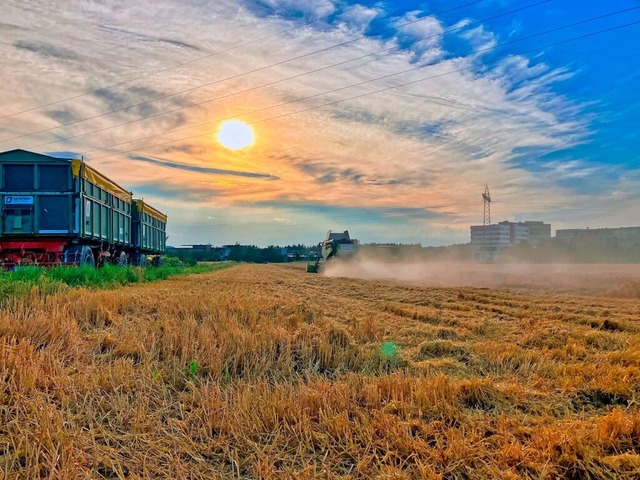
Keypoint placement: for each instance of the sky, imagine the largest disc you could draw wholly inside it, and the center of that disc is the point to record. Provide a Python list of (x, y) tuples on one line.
[(385, 118)]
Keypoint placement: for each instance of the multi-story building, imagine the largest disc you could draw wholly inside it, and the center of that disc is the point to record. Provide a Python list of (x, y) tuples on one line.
[(531, 232), (622, 237), (491, 235), (538, 232), (510, 233), (488, 240)]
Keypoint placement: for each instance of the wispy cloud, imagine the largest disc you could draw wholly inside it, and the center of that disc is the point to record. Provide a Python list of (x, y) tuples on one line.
[(199, 169), (138, 36), (291, 8), (431, 145), (46, 50), (359, 17)]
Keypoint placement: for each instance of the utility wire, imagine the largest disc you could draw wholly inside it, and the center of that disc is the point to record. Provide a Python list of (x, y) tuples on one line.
[(355, 217), (356, 96), (395, 210), (165, 69), (398, 212), (351, 218), (289, 102), (233, 76), (581, 204), (269, 84)]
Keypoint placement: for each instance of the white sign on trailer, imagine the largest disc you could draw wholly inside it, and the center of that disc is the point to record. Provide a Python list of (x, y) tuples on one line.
[(21, 200)]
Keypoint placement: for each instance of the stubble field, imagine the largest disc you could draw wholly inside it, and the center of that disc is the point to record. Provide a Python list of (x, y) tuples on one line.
[(264, 371)]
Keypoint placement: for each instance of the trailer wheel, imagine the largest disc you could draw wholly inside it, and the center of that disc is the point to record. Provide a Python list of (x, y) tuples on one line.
[(157, 261), (139, 259), (120, 259), (86, 257), (72, 255)]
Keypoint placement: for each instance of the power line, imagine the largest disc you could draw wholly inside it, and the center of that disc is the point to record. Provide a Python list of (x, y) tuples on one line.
[(231, 77), (357, 217), (394, 210), (399, 212), (566, 205), (353, 97), (326, 92), (368, 215), (165, 69), (479, 22)]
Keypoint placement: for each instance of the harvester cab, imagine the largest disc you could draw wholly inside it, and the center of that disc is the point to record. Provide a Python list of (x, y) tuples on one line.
[(336, 245)]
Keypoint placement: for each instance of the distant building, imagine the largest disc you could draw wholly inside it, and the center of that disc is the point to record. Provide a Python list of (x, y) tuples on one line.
[(488, 240), (510, 233), (531, 232), (203, 246), (622, 237), (491, 235)]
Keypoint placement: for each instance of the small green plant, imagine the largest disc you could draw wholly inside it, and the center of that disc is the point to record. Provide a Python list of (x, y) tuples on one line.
[(172, 261), (226, 375), (192, 370), (389, 349), (388, 358)]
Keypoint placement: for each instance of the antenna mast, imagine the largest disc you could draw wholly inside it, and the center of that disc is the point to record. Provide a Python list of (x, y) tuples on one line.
[(487, 206)]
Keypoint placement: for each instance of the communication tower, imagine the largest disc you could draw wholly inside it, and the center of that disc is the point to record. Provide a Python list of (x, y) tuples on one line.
[(487, 206)]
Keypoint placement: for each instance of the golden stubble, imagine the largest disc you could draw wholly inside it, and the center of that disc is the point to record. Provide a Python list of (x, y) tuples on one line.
[(264, 371)]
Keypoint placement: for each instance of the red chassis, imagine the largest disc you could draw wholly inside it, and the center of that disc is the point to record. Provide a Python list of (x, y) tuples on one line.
[(45, 252)]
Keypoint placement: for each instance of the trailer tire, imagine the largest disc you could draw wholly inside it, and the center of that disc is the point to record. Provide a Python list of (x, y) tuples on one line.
[(139, 259), (120, 259), (72, 255), (86, 257)]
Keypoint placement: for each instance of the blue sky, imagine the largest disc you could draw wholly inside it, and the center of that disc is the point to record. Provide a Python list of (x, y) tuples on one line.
[(340, 142)]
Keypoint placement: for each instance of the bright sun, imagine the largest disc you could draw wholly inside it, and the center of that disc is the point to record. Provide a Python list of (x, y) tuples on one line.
[(235, 135)]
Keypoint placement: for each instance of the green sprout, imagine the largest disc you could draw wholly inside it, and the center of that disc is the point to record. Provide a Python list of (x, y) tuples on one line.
[(389, 349), (193, 370)]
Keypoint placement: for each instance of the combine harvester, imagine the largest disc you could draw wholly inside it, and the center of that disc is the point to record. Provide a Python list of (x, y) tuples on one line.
[(336, 245), (58, 211)]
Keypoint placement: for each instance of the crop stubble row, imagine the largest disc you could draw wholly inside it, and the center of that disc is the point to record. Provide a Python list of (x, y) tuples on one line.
[(263, 371)]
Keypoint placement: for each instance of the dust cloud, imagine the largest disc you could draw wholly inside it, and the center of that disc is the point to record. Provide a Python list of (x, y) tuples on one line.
[(618, 280)]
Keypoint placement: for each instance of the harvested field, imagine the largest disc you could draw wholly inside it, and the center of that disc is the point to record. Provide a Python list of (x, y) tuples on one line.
[(616, 280), (264, 371)]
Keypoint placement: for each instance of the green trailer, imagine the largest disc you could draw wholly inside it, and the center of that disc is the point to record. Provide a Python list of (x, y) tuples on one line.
[(61, 210), (149, 230)]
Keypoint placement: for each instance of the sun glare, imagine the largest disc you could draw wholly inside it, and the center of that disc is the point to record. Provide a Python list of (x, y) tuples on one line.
[(235, 135)]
